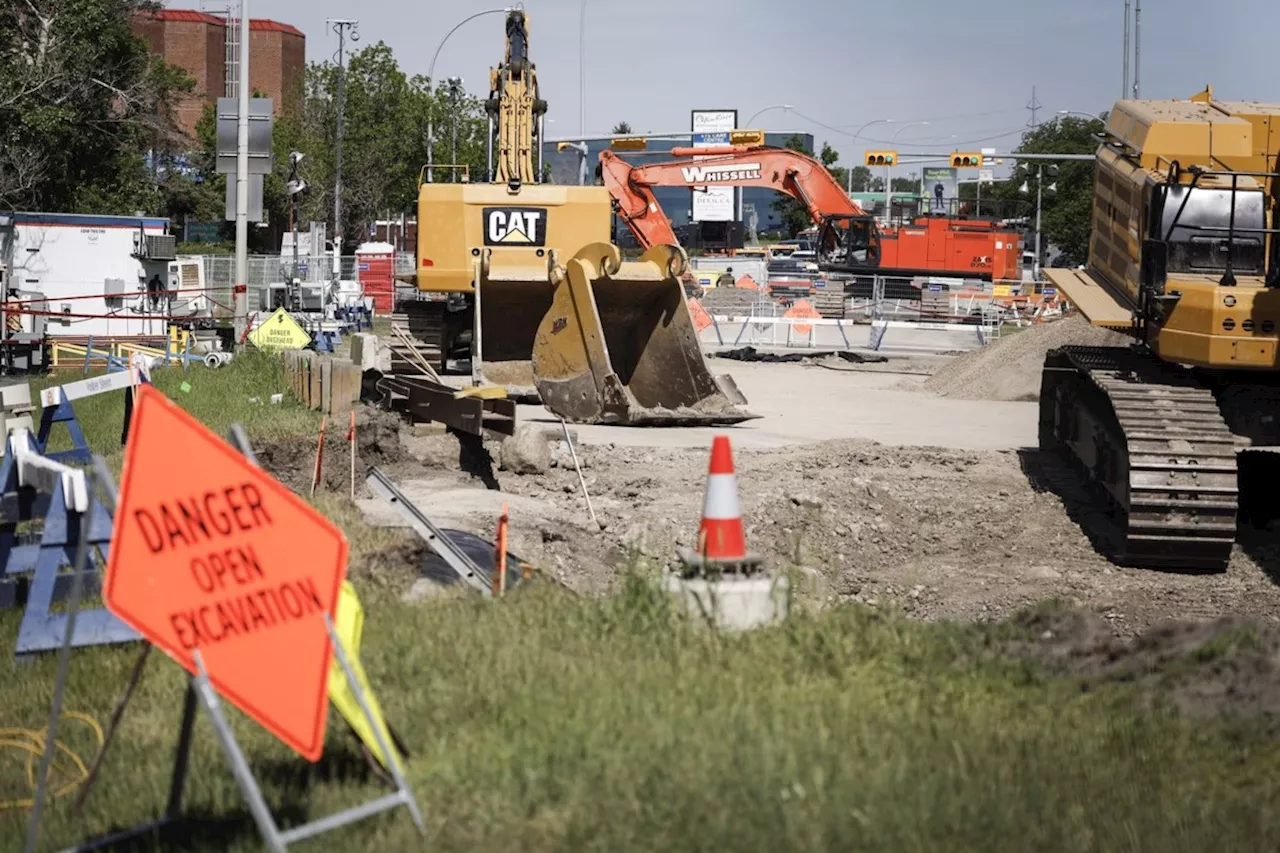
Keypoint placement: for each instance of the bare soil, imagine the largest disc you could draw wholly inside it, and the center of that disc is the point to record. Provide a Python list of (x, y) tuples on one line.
[(1222, 667), (378, 443), (1009, 369), (938, 533)]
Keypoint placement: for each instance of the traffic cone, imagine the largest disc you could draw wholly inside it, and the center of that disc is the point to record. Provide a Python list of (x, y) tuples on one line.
[(720, 537)]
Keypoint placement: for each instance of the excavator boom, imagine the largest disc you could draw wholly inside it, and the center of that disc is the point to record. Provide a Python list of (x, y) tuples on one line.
[(780, 169), (848, 239)]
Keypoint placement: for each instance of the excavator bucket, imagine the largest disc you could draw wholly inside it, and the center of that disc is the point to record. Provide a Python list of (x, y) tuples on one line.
[(619, 347)]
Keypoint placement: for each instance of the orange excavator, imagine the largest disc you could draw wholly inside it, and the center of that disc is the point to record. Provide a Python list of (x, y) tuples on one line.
[(849, 240)]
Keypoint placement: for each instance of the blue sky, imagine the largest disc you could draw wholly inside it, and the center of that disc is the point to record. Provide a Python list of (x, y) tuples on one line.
[(966, 68)]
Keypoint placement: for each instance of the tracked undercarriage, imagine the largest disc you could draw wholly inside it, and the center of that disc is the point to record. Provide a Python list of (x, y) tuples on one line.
[(1174, 460)]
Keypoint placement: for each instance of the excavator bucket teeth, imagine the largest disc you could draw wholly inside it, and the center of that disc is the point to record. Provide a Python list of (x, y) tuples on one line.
[(619, 346)]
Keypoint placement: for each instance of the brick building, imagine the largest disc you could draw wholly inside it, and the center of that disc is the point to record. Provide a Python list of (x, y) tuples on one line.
[(197, 42)]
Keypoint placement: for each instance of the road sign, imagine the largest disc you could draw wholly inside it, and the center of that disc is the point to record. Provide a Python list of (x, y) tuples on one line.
[(350, 629), (210, 552), (279, 332), (227, 135)]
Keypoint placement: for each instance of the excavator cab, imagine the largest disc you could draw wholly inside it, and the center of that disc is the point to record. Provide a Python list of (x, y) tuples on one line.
[(541, 297), (848, 243)]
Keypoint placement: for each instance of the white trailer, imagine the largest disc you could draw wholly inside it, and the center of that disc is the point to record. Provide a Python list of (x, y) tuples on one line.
[(95, 273)]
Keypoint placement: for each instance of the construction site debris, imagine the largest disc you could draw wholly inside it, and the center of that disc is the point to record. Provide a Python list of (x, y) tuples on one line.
[(752, 354), (1009, 369), (527, 452)]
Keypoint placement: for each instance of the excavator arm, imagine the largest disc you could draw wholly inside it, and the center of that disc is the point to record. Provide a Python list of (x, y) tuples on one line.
[(514, 106), (781, 169)]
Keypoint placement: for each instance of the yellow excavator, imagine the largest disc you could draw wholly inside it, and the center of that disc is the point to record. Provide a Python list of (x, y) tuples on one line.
[(1178, 435), (521, 276)]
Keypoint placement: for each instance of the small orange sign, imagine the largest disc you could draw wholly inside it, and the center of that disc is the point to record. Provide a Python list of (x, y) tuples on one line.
[(802, 310), (210, 552), (701, 319)]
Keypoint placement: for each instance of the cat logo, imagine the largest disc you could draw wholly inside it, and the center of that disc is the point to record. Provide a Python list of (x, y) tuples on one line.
[(515, 226)]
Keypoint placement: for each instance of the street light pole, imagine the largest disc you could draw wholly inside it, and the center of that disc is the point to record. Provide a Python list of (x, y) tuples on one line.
[(888, 170), (431, 77), (582, 69), (849, 189), (1079, 113), (742, 190)]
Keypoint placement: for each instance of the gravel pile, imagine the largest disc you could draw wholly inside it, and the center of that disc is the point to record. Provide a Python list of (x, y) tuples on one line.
[(1010, 368), (730, 300)]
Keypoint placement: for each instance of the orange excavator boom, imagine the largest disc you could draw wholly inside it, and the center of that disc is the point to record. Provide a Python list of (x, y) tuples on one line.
[(781, 169)]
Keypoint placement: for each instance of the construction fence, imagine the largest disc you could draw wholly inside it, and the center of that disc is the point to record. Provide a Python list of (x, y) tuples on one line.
[(848, 315)]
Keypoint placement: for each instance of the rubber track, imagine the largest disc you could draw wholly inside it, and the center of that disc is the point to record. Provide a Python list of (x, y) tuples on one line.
[(1178, 507)]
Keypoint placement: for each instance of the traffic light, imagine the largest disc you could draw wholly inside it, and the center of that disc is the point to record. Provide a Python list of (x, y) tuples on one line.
[(882, 158), (966, 161), (746, 137), (631, 143)]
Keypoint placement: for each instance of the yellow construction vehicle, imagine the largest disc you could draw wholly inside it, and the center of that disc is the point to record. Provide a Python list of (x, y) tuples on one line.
[(1178, 435), (522, 277)]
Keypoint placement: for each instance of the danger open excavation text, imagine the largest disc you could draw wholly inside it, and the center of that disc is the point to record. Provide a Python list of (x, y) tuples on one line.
[(242, 600)]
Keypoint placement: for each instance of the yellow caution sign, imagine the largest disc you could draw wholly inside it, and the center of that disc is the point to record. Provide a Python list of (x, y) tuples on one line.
[(279, 332), (350, 627)]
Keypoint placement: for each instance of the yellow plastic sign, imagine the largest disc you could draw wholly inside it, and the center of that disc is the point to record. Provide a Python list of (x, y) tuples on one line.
[(279, 332), (350, 627)]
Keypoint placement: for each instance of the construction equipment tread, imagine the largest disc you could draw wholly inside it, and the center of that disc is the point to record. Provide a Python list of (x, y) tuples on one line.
[(1169, 491)]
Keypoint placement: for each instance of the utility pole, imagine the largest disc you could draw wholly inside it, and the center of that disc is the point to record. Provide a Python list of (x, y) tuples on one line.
[(340, 26), (1124, 88), (455, 89), (240, 292), (1137, 44)]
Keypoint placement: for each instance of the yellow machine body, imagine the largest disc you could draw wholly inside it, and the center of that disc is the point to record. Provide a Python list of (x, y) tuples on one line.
[(1212, 325), (543, 293)]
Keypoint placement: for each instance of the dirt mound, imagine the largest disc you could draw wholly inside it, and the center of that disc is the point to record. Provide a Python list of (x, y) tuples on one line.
[(292, 461), (1225, 667), (730, 300), (1010, 368)]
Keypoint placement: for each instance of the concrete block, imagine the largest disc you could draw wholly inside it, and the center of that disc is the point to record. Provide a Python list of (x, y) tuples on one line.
[(735, 603), (364, 351), (15, 397)]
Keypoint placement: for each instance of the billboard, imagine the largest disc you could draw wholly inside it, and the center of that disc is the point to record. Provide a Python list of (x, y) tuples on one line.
[(940, 186), (710, 128)]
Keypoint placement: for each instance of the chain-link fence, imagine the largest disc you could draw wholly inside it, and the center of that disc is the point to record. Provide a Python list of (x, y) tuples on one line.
[(265, 270)]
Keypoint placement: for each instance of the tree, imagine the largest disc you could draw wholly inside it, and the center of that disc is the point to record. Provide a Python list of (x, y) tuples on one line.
[(385, 120), (1066, 212), (621, 128), (82, 100), (860, 179)]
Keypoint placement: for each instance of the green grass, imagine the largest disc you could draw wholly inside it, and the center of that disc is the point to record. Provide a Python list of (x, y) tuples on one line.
[(217, 397), (550, 722)]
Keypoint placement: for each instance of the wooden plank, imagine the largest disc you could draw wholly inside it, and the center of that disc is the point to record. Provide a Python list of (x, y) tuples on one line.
[(313, 392), (326, 386)]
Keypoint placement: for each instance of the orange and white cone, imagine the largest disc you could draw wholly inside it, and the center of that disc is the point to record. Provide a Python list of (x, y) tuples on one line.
[(721, 539)]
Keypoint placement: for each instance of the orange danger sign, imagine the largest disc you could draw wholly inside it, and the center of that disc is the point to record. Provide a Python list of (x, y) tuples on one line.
[(210, 552)]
